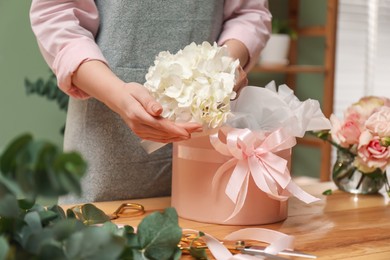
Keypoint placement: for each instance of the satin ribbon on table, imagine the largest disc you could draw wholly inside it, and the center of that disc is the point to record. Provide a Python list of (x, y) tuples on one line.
[(277, 242), (254, 154)]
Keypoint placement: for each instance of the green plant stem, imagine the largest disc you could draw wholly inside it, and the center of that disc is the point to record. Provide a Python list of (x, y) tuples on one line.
[(326, 138), (360, 181)]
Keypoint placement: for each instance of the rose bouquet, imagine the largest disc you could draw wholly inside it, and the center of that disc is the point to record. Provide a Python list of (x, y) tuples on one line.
[(362, 141)]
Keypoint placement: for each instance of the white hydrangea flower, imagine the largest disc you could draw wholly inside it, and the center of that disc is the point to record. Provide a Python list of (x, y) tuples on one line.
[(195, 84)]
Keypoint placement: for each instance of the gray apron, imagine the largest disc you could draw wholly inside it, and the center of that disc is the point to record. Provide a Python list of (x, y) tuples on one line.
[(131, 34)]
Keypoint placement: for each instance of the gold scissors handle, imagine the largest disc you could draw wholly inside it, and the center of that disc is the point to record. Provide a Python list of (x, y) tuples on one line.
[(128, 210)]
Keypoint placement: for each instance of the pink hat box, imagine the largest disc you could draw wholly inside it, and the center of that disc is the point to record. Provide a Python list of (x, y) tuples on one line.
[(195, 163)]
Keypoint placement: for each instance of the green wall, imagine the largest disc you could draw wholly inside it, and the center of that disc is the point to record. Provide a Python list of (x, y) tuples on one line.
[(20, 58)]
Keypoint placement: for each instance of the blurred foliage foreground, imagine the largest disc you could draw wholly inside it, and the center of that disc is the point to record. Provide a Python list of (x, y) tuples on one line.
[(32, 169)]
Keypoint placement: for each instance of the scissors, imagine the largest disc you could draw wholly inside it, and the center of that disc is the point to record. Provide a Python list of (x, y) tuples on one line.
[(240, 246)]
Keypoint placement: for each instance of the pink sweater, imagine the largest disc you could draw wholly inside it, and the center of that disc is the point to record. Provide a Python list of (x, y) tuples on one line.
[(65, 32)]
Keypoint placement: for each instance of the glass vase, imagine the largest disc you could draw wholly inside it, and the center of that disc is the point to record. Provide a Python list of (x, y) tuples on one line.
[(349, 179)]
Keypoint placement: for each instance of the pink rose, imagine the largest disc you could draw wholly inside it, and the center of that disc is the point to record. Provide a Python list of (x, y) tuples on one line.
[(363, 109), (379, 122), (345, 133), (371, 154)]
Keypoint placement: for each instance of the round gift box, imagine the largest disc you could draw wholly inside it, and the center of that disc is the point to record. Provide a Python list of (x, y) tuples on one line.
[(195, 163)]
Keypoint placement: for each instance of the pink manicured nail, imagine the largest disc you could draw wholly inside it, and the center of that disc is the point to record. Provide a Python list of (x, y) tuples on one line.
[(156, 109)]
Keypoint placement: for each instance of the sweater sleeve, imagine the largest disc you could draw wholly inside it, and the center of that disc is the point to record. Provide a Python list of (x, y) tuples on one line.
[(65, 32), (248, 21)]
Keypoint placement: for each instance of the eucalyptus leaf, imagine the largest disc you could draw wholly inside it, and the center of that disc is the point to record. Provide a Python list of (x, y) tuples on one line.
[(64, 228), (9, 206), (51, 251), (36, 169), (54, 235), (7, 160), (47, 88), (159, 234), (47, 216), (94, 243), (26, 204), (33, 220), (70, 168), (4, 248), (198, 253), (70, 213), (131, 237), (327, 192), (92, 215), (9, 185), (58, 210)]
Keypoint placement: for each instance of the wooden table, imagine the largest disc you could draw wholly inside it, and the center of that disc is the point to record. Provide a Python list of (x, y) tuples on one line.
[(340, 226)]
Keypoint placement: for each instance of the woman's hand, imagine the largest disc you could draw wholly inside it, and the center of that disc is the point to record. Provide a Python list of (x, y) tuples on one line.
[(237, 50), (142, 114), (132, 102), (242, 81)]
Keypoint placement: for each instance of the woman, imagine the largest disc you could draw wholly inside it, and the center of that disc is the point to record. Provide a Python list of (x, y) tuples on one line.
[(100, 52)]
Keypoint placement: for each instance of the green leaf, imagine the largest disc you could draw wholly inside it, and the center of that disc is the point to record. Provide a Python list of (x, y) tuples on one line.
[(177, 254), (58, 210), (33, 220), (70, 168), (44, 179), (26, 203), (64, 228), (52, 250), (9, 207), (46, 88), (159, 234), (4, 248), (47, 216), (70, 213), (89, 214), (7, 160), (9, 185), (198, 253), (327, 192), (131, 237), (94, 243)]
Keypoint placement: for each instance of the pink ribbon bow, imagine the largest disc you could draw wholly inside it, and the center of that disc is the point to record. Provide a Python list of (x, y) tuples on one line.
[(254, 154)]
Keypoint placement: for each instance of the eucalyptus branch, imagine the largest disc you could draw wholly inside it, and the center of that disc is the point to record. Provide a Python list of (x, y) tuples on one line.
[(30, 169)]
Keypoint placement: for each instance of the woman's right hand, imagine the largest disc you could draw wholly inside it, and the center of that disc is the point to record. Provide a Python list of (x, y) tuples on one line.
[(132, 101), (142, 113)]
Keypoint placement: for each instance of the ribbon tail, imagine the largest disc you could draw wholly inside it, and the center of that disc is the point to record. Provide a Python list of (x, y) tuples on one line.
[(221, 171), (262, 180), (241, 198), (298, 192), (234, 186)]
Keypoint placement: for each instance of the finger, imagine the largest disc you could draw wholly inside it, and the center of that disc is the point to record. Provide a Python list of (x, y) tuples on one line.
[(142, 95), (136, 118), (241, 82), (160, 137), (158, 128), (191, 127), (169, 140)]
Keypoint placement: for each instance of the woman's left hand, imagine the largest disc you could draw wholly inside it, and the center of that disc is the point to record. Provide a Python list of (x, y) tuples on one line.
[(241, 82)]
